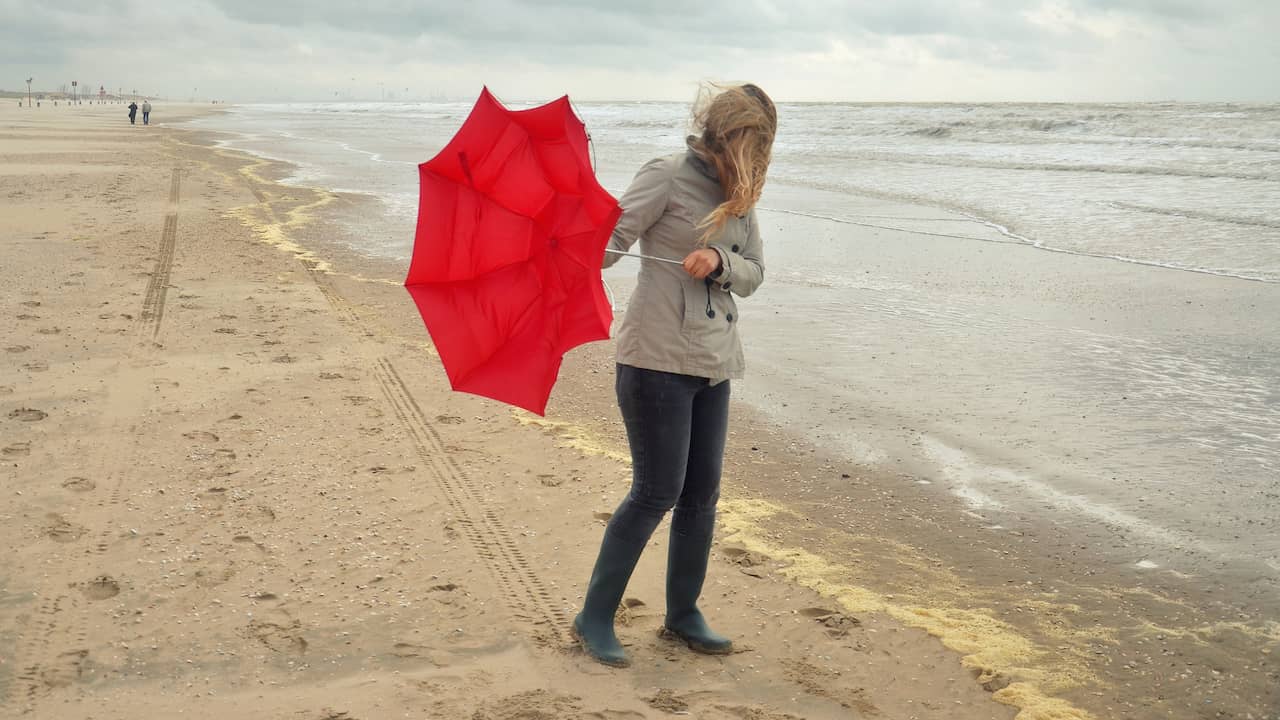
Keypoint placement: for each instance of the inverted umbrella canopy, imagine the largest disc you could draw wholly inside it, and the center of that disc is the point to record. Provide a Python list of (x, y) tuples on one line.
[(512, 227)]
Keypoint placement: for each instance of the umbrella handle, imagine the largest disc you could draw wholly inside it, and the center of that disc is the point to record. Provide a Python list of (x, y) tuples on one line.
[(644, 257)]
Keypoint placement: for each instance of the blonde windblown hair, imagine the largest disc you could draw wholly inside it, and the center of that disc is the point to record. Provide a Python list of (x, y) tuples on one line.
[(733, 128)]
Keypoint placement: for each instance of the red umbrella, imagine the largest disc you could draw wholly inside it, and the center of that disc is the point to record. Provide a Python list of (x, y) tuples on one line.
[(512, 227)]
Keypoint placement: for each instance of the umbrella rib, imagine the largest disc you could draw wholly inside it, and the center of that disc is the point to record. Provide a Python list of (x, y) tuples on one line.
[(523, 314)]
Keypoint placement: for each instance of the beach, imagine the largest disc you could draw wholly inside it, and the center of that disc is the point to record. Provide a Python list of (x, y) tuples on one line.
[(235, 482)]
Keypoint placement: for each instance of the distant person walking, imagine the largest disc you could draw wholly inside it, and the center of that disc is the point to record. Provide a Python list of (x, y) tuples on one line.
[(133, 113), (146, 112)]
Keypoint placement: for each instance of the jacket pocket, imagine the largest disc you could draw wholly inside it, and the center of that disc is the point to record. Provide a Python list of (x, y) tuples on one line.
[(709, 329)]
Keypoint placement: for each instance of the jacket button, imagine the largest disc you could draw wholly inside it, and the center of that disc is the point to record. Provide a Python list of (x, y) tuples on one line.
[(735, 248), (729, 317)]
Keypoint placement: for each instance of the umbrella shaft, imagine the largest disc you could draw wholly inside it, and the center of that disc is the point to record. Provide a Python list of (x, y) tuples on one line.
[(644, 257)]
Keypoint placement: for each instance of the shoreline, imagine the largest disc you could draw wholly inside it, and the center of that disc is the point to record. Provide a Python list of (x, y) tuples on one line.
[(776, 532)]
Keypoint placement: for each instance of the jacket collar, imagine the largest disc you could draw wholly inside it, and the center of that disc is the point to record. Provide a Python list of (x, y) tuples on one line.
[(699, 163)]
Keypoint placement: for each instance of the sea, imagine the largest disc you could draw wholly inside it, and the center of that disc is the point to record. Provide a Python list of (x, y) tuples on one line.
[(1062, 312)]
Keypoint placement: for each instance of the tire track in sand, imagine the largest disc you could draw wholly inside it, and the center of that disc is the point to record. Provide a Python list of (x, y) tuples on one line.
[(526, 596), (157, 289), (56, 638), (524, 593)]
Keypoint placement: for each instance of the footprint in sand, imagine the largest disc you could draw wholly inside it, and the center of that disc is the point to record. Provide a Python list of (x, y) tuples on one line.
[(28, 415), (823, 682), (214, 574), (50, 331), (747, 561), (667, 701), (533, 704), (216, 494), (6, 389), (17, 348), (750, 712), (31, 303), (279, 638), (19, 449), (226, 331), (409, 650), (27, 316), (257, 513), (39, 366), (79, 484), (62, 530), (837, 624), (101, 588), (631, 610), (283, 359), (743, 557), (449, 420), (330, 376), (201, 435)]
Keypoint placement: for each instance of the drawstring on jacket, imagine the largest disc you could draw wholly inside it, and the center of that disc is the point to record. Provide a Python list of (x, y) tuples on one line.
[(710, 313)]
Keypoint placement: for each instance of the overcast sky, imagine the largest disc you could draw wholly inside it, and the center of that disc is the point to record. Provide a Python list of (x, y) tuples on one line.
[(862, 50)]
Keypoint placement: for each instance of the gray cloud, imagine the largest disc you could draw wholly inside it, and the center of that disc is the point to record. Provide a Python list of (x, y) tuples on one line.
[(916, 49)]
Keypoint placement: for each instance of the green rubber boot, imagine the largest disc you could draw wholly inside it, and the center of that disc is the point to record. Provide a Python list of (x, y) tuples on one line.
[(686, 570), (594, 625)]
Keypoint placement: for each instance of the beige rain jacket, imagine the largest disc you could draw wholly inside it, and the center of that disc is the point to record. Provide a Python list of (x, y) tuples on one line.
[(673, 322)]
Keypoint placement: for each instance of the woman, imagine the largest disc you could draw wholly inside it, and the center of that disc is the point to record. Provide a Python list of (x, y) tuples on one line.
[(677, 350)]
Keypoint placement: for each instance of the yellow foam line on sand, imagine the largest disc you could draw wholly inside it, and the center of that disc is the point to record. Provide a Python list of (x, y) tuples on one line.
[(374, 280), (260, 217), (274, 231), (572, 436), (1268, 632), (987, 644)]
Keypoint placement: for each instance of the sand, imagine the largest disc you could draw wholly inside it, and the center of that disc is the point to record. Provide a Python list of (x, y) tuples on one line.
[(234, 483)]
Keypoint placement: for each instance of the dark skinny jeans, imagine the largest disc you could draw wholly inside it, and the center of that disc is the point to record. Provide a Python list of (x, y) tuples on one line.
[(676, 427)]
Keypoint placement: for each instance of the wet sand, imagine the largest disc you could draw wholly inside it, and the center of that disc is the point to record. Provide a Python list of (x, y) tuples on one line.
[(236, 484)]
